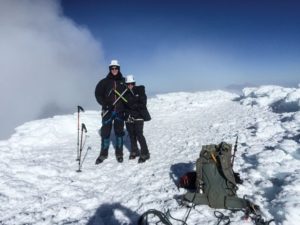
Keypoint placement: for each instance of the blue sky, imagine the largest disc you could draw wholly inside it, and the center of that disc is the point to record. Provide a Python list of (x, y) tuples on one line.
[(196, 45), (53, 52)]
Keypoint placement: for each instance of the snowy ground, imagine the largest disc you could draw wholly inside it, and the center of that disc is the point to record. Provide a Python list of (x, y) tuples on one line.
[(39, 183)]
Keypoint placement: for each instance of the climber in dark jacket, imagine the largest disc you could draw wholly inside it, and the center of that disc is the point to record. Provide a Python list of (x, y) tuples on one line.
[(136, 113), (107, 92)]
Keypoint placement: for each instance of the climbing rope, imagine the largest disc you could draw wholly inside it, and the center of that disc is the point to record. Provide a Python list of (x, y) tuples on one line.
[(143, 220), (221, 217)]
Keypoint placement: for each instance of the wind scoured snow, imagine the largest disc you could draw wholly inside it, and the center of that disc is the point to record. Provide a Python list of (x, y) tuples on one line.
[(39, 183), (280, 99)]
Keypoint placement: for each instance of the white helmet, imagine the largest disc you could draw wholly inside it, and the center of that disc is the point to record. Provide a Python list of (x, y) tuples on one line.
[(129, 79), (114, 62)]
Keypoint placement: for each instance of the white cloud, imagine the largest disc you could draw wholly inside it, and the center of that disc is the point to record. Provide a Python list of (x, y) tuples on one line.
[(48, 64)]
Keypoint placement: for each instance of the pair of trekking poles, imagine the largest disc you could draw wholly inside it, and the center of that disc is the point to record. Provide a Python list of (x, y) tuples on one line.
[(80, 142)]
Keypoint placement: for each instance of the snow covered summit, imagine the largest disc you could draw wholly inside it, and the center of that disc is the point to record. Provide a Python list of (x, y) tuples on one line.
[(39, 183)]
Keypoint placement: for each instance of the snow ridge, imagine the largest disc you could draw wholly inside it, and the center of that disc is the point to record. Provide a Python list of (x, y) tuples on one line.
[(39, 183)]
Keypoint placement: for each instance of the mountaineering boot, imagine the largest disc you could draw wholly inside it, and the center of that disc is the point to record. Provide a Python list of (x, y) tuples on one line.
[(120, 159), (100, 159), (119, 148), (133, 154), (103, 155), (104, 151), (143, 158)]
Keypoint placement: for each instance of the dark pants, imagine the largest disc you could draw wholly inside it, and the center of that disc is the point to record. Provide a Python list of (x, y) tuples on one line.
[(109, 120), (135, 131)]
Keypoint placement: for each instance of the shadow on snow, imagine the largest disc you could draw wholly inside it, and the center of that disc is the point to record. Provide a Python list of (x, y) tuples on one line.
[(114, 214)]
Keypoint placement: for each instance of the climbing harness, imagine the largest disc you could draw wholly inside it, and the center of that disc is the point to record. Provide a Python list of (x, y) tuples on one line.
[(114, 116)]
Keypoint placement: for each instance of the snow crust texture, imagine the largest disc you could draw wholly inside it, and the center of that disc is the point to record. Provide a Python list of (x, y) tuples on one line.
[(39, 183)]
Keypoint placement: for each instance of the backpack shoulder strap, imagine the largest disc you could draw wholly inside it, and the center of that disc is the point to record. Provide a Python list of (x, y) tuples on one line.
[(224, 152), (204, 158)]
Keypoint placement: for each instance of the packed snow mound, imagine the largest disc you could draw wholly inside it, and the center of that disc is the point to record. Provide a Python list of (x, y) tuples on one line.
[(279, 99), (39, 183)]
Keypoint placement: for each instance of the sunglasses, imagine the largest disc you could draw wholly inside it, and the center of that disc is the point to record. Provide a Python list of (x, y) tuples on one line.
[(114, 68)]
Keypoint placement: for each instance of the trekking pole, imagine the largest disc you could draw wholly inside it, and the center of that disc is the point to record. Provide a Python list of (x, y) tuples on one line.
[(89, 148), (79, 108), (234, 150), (83, 127), (120, 96)]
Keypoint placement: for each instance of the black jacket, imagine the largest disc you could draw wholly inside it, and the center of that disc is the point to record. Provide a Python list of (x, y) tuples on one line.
[(105, 94), (137, 103)]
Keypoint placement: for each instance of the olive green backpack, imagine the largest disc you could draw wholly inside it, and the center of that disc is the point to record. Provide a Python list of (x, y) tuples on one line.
[(216, 183)]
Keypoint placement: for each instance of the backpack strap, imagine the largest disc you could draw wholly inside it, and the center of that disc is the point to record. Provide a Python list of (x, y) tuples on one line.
[(196, 198), (230, 202), (199, 175), (233, 202), (204, 158), (225, 161)]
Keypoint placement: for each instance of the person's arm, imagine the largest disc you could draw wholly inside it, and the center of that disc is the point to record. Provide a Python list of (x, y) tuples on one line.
[(140, 102), (100, 94), (142, 98)]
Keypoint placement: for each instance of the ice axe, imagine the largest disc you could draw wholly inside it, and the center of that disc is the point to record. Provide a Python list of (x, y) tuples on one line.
[(83, 128), (234, 150), (79, 108)]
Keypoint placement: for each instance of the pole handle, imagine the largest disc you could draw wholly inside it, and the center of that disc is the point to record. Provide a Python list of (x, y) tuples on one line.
[(83, 127), (79, 108)]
